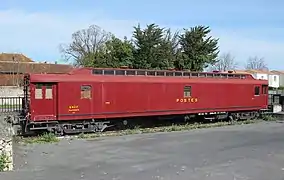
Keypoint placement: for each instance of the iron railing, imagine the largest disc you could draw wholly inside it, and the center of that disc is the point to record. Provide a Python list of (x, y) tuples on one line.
[(10, 104)]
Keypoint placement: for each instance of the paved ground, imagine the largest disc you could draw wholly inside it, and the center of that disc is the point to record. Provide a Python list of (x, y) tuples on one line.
[(237, 153)]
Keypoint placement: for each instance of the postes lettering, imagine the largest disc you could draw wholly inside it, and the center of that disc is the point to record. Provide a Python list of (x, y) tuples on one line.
[(186, 100)]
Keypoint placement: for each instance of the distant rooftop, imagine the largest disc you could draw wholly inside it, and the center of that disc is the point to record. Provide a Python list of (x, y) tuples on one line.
[(13, 57), (253, 71)]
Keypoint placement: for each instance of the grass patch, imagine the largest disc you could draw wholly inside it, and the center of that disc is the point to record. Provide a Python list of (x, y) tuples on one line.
[(269, 118), (4, 160), (41, 139)]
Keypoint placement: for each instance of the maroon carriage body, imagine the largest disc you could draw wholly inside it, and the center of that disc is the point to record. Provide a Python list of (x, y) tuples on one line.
[(83, 96)]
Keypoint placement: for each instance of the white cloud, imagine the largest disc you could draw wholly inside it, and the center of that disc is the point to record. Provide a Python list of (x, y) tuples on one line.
[(38, 35)]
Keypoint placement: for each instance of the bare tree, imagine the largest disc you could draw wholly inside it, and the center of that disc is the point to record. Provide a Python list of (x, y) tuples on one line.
[(85, 43), (224, 63), (256, 63)]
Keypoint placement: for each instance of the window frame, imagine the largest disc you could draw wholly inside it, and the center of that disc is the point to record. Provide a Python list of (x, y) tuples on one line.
[(48, 87), (82, 95), (256, 89), (264, 89), (43, 89), (187, 90), (38, 89)]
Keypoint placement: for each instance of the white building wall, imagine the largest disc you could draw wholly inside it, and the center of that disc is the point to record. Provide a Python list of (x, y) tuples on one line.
[(9, 94), (274, 80), (281, 80), (11, 91), (261, 76)]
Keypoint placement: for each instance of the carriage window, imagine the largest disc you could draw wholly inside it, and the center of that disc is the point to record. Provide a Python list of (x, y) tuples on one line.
[(86, 92), (130, 72), (178, 73), (150, 73), (160, 73), (141, 73), (109, 72), (120, 72), (38, 91), (97, 71), (264, 89), (187, 91), (256, 90), (48, 91), (169, 73)]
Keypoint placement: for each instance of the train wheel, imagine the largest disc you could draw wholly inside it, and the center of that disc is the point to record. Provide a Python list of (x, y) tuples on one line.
[(234, 117)]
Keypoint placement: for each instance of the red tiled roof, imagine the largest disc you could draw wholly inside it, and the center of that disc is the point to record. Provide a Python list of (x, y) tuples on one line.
[(34, 67), (11, 57), (9, 71)]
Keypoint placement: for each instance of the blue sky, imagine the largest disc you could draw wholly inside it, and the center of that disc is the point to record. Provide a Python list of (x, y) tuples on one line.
[(245, 28)]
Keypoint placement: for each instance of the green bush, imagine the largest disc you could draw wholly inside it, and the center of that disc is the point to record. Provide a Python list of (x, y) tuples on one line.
[(4, 160)]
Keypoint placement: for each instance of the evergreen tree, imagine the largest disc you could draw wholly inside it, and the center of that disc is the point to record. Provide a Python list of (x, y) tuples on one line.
[(198, 50)]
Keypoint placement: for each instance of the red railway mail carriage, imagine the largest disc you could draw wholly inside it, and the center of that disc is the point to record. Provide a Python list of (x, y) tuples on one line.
[(90, 101)]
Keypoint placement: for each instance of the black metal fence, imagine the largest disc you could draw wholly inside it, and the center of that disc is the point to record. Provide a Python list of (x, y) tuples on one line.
[(10, 104), (275, 97)]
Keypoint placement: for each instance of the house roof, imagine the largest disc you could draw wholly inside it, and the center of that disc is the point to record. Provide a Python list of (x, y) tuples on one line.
[(10, 72), (13, 57), (277, 72), (12, 62), (254, 71), (241, 71), (259, 71), (24, 67)]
